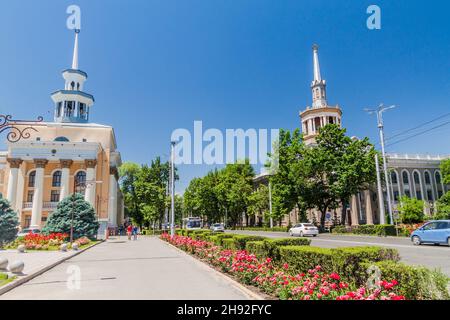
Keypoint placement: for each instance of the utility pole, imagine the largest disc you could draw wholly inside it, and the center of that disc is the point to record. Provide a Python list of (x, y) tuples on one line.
[(270, 204), (172, 179), (379, 112), (380, 192)]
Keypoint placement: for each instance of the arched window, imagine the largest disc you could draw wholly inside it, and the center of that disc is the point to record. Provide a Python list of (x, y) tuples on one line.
[(72, 85), (56, 181), (416, 177), (405, 177), (80, 182), (394, 177), (427, 177), (31, 179), (61, 139), (78, 86), (437, 176)]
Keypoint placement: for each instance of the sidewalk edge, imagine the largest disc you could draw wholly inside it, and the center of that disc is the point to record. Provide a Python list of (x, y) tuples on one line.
[(37, 273), (235, 283)]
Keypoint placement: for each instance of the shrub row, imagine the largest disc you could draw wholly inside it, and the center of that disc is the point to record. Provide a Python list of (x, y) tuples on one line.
[(377, 229), (274, 229), (271, 247), (414, 282), (345, 261)]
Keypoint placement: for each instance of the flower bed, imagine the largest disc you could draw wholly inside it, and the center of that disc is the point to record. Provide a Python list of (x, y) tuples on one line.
[(282, 281), (51, 241)]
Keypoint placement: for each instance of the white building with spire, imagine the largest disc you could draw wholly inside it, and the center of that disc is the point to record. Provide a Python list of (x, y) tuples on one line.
[(70, 154)]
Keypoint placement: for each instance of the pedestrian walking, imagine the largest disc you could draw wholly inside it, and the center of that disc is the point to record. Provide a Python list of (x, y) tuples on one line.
[(129, 230), (135, 232)]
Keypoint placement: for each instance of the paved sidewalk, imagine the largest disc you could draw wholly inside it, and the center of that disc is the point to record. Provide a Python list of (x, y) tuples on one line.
[(120, 269)]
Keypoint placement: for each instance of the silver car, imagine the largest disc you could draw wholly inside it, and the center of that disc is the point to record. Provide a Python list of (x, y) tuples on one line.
[(217, 227), (304, 229)]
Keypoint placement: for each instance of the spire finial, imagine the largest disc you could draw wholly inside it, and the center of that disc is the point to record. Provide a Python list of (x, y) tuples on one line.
[(317, 76), (75, 51)]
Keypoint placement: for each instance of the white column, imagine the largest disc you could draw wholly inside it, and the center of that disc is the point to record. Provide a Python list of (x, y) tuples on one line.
[(112, 203), (89, 195), (354, 211), (11, 194), (36, 212), (368, 200), (65, 174)]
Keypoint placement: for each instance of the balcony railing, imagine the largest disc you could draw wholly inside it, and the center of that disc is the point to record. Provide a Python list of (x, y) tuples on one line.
[(45, 205)]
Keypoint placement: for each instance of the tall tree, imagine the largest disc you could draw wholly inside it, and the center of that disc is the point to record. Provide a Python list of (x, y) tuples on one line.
[(9, 222), (129, 172)]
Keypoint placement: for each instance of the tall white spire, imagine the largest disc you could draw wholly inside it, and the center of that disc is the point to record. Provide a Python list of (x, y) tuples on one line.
[(317, 76), (75, 51)]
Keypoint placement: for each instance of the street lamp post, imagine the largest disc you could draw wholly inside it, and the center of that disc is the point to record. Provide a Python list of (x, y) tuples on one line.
[(380, 192), (379, 112), (172, 179)]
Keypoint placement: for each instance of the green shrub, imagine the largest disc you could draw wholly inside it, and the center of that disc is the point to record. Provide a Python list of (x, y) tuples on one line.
[(221, 237), (258, 248), (229, 243), (348, 262), (240, 240), (385, 230), (364, 229), (416, 283), (3, 276), (345, 261), (274, 229), (339, 229), (303, 258), (272, 246)]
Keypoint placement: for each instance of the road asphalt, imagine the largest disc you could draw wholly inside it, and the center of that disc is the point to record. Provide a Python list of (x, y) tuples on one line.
[(120, 269), (431, 256)]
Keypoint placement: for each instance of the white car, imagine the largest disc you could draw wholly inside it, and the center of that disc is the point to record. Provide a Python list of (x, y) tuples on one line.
[(304, 229), (24, 232), (217, 227)]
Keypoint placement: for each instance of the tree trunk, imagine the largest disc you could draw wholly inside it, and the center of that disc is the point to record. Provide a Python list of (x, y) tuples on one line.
[(343, 213)]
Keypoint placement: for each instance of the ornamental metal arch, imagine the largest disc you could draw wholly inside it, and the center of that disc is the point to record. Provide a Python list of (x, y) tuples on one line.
[(15, 134)]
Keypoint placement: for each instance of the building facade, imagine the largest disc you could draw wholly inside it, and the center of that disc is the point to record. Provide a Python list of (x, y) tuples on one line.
[(65, 156), (416, 176)]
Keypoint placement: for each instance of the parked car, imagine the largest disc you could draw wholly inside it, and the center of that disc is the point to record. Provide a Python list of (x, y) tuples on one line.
[(26, 231), (217, 227), (436, 232), (304, 229)]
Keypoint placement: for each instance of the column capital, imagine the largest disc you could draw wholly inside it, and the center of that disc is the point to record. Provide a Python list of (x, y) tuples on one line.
[(90, 163), (40, 163), (14, 162), (114, 171), (65, 163)]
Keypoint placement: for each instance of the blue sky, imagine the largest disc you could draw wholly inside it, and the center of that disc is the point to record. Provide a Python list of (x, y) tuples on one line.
[(155, 66)]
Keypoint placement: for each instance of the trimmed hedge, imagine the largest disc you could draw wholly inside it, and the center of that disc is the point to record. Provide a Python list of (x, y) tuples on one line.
[(258, 248), (348, 262), (303, 258), (377, 229), (273, 245), (221, 237), (274, 229), (240, 240), (414, 282), (229, 243)]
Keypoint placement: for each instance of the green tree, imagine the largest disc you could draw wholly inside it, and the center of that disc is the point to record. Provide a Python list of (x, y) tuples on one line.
[(445, 170), (9, 222), (259, 203), (411, 210), (288, 181), (443, 207), (84, 221), (129, 172)]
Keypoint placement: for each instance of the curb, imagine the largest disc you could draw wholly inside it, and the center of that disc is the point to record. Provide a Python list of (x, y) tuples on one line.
[(29, 277), (238, 285)]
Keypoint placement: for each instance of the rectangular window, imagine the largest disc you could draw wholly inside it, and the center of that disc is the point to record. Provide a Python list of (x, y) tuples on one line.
[(27, 221), (429, 195), (54, 196), (419, 195), (30, 196), (396, 195)]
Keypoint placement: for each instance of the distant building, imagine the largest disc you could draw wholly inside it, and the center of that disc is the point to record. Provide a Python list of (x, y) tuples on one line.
[(416, 176), (65, 156)]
